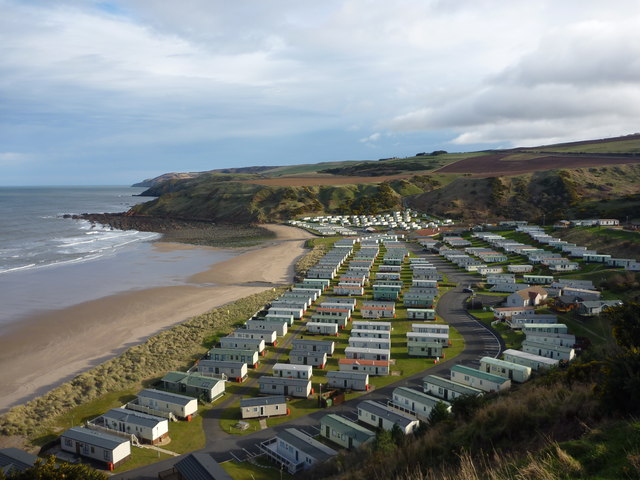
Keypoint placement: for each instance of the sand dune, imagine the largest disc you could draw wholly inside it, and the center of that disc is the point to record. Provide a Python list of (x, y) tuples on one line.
[(49, 348)]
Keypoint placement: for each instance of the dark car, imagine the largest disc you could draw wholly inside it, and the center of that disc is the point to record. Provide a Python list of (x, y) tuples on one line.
[(467, 290)]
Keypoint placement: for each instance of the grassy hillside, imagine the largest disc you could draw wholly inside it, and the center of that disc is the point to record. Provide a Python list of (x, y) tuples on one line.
[(609, 191)]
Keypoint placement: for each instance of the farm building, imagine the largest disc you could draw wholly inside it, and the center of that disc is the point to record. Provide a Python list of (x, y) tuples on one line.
[(348, 380), (293, 387), (371, 334), (502, 368), (326, 346), (425, 349), (545, 350), (308, 357), (103, 447), (368, 342), (295, 450), (147, 428), (421, 314), (484, 381), (380, 416), (362, 353), (269, 325), (536, 362), (378, 309), (270, 406), (158, 401), (371, 367), (236, 371), (194, 384), (319, 328), (233, 342), (447, 389), (364, 325), (344, 432), (442, 328), (415, 402), (290, 370), (269, 336), (250, 357)]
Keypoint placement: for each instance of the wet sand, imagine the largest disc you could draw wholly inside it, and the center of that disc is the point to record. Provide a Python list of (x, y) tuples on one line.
[(51, 347)]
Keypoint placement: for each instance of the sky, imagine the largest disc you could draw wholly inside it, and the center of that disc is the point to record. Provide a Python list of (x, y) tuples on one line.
[(113, 92)]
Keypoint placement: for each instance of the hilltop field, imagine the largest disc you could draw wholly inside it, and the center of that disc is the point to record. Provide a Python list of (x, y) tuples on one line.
[(580, 180)]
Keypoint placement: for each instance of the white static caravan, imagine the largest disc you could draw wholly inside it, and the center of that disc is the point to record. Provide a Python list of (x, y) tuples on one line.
[(538, 279), (552, 351), (421, 314), (348, 290), (555, 339), (294, 387), (372, 367), (269, 336), (371, 334), (290, 370), (358, 381), (297, 313), (147, 428), (519, 268), (231, 341), (326, 346), (194, 384), (279, 327), (422, 283), (415, 402), (344, 432), (301, 304), (365, 325), (335, 311), (430, 328), (502, 368), (349, 302), (380, 416), (447, 389), (250, 357), (318, 328), (321, 283), (236, 371), (428, 337), (425, 349), (271, 406), (367, 353), (341, 322), (295, 450), (545, 328), (100, 446), (311, 293), (274, 317), (536, 362), (178, 405), (308, 357), (368, 342), (484, 381), (378, 310)]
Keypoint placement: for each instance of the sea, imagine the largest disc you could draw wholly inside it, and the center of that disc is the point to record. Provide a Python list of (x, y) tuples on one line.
[(50, 262)]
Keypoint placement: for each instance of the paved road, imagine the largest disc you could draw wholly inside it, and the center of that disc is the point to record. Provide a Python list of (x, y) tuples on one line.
[(479, 342)]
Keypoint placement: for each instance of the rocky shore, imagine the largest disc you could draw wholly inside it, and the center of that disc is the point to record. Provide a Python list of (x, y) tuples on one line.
[(194, 232)]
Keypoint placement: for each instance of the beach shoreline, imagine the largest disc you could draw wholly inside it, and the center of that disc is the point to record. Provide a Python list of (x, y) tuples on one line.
[(48, 348)]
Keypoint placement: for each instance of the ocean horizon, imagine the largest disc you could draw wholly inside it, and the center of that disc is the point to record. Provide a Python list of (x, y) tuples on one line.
[(48, 262)]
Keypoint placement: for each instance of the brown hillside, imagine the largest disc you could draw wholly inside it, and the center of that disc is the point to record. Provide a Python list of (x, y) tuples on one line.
[(504, 164)]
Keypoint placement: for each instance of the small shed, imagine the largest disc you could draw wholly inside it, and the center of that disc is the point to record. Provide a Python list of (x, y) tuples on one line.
[(258, 407)]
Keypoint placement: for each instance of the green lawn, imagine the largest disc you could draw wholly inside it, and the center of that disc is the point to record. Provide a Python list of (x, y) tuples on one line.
[(512, 338), (141, 457), (264, 470)]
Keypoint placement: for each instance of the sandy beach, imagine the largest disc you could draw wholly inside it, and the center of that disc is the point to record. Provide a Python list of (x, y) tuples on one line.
[(51, 347)]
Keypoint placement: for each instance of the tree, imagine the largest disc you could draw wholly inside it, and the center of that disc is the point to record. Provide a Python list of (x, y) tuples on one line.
[(439, 413), (49, 470), (625, 324)]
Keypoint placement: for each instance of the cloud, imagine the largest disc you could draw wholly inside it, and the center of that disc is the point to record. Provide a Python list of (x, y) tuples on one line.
[(8, 159), (374, 137)]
